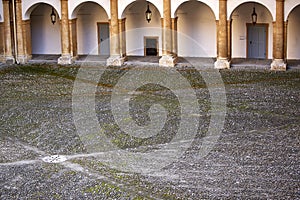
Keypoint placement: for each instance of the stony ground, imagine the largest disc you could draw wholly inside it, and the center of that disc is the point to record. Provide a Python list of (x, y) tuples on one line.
[(256, 156)]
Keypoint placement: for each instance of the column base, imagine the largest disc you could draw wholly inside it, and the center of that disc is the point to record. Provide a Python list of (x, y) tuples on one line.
[(10, 60), (65, 60), (222, 63), (278, 65), (167, 61), (115, 61), (22, 59)]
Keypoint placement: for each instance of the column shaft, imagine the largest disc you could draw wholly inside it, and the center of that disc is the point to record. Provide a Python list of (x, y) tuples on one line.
[(27, 38), (279, 33), (73, 37), (229, 38), (66, 57), (278, 38), (114, 30), (65, 28), (122, 37), (285, 40), (20, 43), (167, 59), (167, 28), (222, 37), (2, 43), (7, 32), (116, 58), (174, 37)]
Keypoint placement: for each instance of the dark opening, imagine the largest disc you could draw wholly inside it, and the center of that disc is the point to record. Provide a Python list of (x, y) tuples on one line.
[(151, 47)]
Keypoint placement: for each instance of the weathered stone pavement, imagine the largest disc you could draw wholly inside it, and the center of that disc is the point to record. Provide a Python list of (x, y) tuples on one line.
[(256, 156)]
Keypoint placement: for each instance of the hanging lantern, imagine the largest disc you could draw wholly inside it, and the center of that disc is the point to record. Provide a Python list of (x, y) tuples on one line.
[(53, 16), (148, 14), (254, 16)]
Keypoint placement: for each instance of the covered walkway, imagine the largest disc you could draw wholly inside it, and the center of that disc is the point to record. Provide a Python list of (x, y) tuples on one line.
[(236, 63)]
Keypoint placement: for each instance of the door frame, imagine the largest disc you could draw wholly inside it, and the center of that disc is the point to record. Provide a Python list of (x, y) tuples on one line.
[(266, 25), (157, 43), (98, 34)]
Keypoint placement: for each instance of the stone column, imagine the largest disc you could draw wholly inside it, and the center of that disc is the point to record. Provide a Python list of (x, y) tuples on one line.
[(278, 36), (174, 37), (7, 33), (66, 57), (2, 43), (222, 59), (115, 58), (167, 59), (285, 40), (20, 40), (229, 22), (122, 37), (73, 38), (27, 39)]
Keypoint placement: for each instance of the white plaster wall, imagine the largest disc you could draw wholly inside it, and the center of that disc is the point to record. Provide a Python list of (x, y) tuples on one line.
[(213, 4), (124, 4), (196, 30), (45, 36), (289, 5), (137, 27), (293, 37), (269, 4), (87, 34), (240, 17), (29, 5), (73, 4)]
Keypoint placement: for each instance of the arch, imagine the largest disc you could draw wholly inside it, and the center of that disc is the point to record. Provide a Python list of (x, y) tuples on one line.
[(212, 4), (75, 6), (293, 34), (45, 36), (240, 17), (137, 28), (124, 4), (29, 6), (289, 6), (196, 26), (234, 4), (88, 17)]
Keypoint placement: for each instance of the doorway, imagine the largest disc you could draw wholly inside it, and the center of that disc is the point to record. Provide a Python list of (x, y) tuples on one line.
[(151, 46), (257, 40), (103, 39)]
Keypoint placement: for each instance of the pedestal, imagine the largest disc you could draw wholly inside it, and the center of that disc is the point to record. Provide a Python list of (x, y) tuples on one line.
[(9, 60), (115, 61), (278, 65), (167, 61), (65, 60), (222, 64), (22, 59)]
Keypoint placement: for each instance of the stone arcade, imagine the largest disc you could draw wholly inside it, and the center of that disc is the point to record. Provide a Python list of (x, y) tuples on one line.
[(222, 28)]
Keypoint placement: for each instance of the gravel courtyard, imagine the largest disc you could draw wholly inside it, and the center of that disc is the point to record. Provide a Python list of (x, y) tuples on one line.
[(257, 154)]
